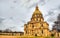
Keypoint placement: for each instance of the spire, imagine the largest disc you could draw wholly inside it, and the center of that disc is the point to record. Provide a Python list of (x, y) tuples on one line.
[(37, 14), (37, 10)]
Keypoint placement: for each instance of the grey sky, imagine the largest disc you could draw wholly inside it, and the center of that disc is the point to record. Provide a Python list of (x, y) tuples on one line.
[(15, 13)]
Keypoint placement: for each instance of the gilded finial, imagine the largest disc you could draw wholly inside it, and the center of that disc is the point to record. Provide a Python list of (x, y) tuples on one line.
[(37, 7), (37, 11)]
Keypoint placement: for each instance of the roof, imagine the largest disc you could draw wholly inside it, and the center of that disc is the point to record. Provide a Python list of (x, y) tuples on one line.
[(37, 11)]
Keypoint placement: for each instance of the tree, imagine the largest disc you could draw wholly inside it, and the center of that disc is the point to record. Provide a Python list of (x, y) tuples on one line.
[(57, 24), (7, 30), (0, 30)]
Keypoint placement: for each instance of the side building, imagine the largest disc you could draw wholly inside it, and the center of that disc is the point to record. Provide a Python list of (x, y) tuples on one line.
[(10, 33)]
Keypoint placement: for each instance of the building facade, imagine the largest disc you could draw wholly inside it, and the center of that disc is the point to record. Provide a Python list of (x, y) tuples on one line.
[(37, 26), (12, 33)]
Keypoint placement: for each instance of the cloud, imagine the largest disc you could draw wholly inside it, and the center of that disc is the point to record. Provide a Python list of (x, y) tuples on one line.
[(52, 15), (59, 7), (18, 12), (9, 24), (31, 3), (1, 19)]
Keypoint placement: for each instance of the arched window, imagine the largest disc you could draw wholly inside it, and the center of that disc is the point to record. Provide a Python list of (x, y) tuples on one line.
[(26, 32), (42, 25), (38, 19), (58, 34), (32, 30), (35, 34), (32, 26), (37, 15), (52, 35), (42, 31)]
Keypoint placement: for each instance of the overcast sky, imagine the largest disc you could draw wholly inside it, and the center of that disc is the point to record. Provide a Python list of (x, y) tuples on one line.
[(15, 13)]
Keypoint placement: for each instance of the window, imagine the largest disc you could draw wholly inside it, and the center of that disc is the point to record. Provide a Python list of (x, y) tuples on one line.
[(37, 15), (32, 30), (35, 34), (52, 35), (32, 26), (32, 34), (26, 32), (58, 35), (42, 31), (36, 19), (42, 25), (26, 26)]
